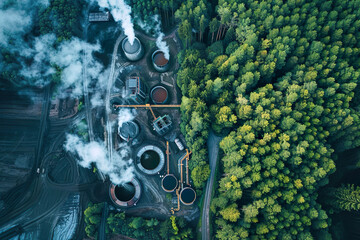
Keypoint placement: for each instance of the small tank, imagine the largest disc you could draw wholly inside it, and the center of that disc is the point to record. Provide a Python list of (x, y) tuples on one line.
[(160, 63), (159, 95), (169, 183), (133, 52), (188, 196)]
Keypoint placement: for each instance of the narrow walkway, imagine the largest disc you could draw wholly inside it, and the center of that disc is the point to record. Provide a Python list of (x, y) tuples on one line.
[(213, 150)]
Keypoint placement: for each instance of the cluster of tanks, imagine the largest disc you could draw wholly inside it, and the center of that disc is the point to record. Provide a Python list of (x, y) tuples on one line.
[(150, 159)]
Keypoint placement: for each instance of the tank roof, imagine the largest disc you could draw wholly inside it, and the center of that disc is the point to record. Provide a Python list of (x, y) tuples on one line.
[(99, 17), (131, 48), (188, 195), (159, 58), (169, 182), (128, 130), (159, 94)]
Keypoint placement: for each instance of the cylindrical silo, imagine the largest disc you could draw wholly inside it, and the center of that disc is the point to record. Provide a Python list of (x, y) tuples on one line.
[(133, 52), (160, 63)]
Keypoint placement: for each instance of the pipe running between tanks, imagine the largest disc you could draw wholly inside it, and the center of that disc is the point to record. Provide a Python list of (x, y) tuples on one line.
[(181, 164), (187, 170), (178, 200), (167, 157)]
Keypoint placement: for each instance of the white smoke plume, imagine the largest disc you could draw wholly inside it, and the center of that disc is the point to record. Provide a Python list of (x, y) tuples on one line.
[(163, 46), (68, 56), (159, 40), (16, 18), (97, 100), (155, 26), (119, 169), (125, 115), (121, 12)]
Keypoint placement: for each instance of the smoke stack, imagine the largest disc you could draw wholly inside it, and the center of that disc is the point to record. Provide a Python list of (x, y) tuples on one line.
[(120, 12), (134, 51)]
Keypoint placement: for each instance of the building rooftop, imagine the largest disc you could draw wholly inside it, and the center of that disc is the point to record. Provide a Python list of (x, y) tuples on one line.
[(162, 124), (99, 17)]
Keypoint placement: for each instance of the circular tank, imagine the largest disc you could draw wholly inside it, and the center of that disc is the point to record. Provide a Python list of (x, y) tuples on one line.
[(128, 130), (160, 63), (187, 196), (159, 95), (125, 192), (150, 159), (169, 183), (125, 195), (133, 52)]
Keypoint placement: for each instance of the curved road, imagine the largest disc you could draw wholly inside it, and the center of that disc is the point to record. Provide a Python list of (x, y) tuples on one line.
[(213, 150)]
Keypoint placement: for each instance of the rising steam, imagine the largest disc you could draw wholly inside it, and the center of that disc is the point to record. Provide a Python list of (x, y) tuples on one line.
[(121, 12), (159, 40), (154, 26), (125, 115), (68, 56), (119, 169), (16, 18)]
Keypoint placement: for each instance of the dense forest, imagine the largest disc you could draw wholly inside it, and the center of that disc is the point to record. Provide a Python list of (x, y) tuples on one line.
[(279, 81), (136, 227)]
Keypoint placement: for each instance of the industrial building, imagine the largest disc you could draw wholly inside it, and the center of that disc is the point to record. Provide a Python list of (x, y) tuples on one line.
[(162, 124), (136, 90), (99, 17), (149, 158)]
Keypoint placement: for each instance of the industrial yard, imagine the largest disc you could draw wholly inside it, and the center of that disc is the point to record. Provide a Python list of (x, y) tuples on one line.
[(149, 88), (141, 81), (181, 119)]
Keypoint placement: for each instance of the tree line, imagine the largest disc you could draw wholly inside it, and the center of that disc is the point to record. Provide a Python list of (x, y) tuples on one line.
[(174, 228), (280, 81)]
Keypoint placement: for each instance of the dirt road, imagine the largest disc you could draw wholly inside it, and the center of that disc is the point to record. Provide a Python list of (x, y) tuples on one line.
[(213, 149)]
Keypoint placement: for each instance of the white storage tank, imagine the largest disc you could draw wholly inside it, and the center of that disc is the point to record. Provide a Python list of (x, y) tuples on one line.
[(133, 52)]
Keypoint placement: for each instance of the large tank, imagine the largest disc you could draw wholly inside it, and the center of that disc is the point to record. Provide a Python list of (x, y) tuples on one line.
[(129, 130), (159, 95), (127, 194), (160, 63), (169, 183), (150, 159), (133, 52), (188, 196)]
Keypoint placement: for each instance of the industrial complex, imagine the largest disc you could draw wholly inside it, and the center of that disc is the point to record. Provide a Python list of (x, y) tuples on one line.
[(153, 136)]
